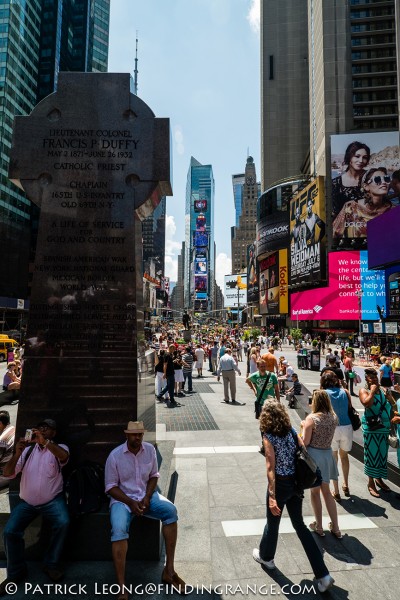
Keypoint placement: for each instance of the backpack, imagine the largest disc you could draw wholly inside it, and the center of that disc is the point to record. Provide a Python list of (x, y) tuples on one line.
[(84, 489)]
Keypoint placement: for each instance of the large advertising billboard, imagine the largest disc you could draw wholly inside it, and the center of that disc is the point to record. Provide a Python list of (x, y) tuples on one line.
[(392, 278), (252, 274), (307, 234), (200, 283), (362, 166), (200, 205), (200, 266), (342, 300), (383, 228), (200, 239), (235, 290), (273, 232), (274, 284)]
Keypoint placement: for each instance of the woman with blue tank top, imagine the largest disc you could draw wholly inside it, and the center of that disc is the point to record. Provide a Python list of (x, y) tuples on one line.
[(280, 443), (343, 436)]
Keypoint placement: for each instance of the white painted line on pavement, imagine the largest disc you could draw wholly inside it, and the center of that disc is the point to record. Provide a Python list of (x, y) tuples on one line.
[(256, 526), (216, 449)]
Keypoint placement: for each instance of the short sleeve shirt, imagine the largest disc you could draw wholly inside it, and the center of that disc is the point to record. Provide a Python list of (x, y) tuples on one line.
[(259, 380)]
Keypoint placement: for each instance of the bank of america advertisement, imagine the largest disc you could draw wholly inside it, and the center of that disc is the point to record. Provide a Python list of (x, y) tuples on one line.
[(252, 274), (307, 234), (354, 292), (274, 284), (235, 290)]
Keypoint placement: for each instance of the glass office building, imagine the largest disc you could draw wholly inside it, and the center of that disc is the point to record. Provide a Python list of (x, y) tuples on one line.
[(38, 38), (199, 285)]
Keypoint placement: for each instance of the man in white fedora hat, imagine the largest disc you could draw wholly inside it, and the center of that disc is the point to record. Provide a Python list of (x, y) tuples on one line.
[(131, 479)]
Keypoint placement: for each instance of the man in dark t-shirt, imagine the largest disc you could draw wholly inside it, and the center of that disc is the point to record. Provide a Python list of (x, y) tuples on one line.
[(332, 366), (169, 375)]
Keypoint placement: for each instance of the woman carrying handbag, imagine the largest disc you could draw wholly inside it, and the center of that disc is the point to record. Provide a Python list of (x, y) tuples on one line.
[(376, 427)]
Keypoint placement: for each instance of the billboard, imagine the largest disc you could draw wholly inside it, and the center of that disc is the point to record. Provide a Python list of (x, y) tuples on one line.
[(200, 305), (348, 273), (274, 284), (200, 205), (392, 278), (307, 234), (200, 266), (200, 283), (200, 239), (273, 232), (200, 223), (385, 227), (252, 274), (361, 170), (235, 290)]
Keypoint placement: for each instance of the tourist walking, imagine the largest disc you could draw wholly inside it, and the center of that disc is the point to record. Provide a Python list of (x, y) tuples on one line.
[(280, 444), (376, 444), (319, 428), (228, 367)]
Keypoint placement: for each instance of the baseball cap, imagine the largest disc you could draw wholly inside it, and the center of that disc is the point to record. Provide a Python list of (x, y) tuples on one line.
[(49, 422)]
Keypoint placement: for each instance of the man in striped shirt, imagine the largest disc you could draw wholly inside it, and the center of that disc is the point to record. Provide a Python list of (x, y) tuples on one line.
[(187, 367)]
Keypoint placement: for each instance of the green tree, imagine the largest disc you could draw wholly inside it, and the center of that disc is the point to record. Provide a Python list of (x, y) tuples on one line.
[(296, 334)]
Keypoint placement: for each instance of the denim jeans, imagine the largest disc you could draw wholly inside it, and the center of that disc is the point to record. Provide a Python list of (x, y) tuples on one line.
[(286, 494), (55, 512), (120, 516), (170, 388), (188, 377)]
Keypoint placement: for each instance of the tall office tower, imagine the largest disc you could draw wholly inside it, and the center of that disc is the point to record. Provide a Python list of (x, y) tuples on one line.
[(199, 280), (153, 232), (353, 79), (284, 90), (244, 232), (237, 184), (73, 37), (37, 39)]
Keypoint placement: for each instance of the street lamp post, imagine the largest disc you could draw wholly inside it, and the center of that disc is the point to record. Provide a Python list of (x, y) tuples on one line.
[(238, 292)]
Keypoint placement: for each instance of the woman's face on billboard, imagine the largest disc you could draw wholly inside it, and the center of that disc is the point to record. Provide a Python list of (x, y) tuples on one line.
[(359, 160)]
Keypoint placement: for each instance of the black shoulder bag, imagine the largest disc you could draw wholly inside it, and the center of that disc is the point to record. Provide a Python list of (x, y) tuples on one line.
[(375, 422), (257, 405), (308, 474)]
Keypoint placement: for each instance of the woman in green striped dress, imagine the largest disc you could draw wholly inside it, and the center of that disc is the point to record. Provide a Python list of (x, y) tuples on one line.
[(376, 445)]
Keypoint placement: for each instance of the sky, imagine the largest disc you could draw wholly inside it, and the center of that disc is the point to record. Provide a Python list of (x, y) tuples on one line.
[(199, 65)]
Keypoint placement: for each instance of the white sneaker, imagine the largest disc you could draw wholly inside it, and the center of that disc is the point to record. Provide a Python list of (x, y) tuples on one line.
[(324, 583), (267, 563)]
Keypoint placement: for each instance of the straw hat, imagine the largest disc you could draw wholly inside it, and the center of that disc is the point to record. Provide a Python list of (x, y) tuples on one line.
[(135, 427)]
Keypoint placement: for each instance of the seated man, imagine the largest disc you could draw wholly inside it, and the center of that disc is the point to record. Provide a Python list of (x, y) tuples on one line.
[(41, 493), (295, 390), (7, 437), (10, 380), (131, 479)]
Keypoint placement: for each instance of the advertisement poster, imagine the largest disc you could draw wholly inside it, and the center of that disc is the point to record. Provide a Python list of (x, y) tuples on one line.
[(200, 239), (200, 205), (200, 266), (342, 300), (273, 232), (200, 283), (252, 274), (362, 189), (307, 234), (392, 277), (274, 284), (384, 227), (235, 290), (200, 223)]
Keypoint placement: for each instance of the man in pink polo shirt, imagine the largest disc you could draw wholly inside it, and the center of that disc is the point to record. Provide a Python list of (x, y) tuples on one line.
[(131, 479), (41, 493)]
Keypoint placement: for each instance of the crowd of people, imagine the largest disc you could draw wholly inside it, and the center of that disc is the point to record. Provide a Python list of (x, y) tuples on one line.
[(326, 433)]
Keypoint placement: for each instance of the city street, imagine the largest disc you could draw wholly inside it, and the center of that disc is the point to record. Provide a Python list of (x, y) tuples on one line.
[(220, 496)]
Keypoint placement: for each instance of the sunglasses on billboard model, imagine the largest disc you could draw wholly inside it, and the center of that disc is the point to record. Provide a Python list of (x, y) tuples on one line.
[(378, 179)]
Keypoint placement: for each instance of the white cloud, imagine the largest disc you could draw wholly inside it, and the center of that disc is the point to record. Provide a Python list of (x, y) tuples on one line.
[(179, 141), (254, 15), (223, 266), (171, 246), (171, 268)]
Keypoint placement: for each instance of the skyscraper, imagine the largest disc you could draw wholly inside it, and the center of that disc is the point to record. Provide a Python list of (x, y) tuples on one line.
[(285, 131), (38, 38), (244, 232), (199, 237)]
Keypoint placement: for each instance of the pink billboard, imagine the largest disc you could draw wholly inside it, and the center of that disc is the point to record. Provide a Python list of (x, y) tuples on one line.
[(348, 274)]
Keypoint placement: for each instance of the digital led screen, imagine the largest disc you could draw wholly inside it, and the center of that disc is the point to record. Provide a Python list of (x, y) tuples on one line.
[(200, 239)]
